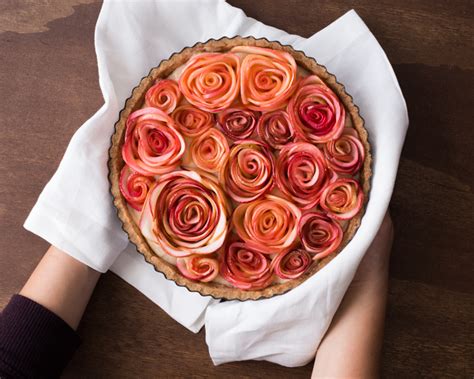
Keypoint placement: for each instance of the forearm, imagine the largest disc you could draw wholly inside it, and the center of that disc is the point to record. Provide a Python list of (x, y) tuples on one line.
[(61, 284), (37, 336), (352, 345)]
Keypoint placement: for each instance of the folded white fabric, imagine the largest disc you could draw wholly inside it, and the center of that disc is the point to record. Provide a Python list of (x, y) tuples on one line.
[(75, 212)]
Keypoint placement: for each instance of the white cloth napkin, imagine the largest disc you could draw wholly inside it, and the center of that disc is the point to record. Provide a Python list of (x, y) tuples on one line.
[(75, 212)]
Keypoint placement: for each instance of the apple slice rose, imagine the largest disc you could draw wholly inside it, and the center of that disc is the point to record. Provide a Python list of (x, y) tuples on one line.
[(192, 121), (134, 187), (164, 95), (302, 173), (246, 267), (198, 267), (275, 129), (346, 154), (342, 199), (248, 172), (316, 112), (291, 264), (185, 213), (269, 224), (152, 144), (210, 150), (210, 81), (237, 123), (319, 234), (267, 77)]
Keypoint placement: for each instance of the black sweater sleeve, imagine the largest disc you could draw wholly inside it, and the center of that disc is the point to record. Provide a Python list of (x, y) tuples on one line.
[(34, 342)]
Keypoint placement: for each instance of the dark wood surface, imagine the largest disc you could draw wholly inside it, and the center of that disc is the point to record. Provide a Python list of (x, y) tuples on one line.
[(49, 87)]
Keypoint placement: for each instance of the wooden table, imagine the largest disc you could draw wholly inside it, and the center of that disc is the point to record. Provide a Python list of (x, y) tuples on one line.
[(49, 87)]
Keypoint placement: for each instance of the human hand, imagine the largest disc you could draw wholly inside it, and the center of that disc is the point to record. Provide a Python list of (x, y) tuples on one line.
[(374, 265), (61, 284)]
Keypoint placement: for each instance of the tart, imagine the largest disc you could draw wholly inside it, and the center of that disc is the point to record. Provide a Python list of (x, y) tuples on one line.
[(239, 168)]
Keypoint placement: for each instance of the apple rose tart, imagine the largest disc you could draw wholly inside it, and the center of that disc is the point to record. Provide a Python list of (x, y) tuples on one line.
[(239, 168)]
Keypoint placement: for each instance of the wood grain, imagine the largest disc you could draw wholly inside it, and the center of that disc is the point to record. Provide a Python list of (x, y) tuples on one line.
[(49, 88)]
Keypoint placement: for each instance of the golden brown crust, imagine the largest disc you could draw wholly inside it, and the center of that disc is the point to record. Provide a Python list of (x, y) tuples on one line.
[(116, 163)]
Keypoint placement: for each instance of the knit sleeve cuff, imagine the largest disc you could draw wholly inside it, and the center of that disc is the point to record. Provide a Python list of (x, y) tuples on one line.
[(34, 342)]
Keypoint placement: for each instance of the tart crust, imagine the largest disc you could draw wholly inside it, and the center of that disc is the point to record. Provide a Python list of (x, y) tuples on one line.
[(115, 164)]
